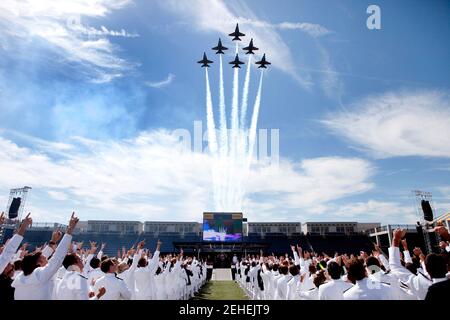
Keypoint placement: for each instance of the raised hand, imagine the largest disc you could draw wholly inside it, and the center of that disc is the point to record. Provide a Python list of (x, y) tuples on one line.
[(56, 236), (141, 245), (101, 292), (103, 246), (398, 234), (417, 251), (2, 218), (158, 245), (72, 223), (25, 224)]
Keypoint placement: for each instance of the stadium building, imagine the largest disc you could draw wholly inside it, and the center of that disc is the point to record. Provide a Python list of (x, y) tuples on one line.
[(226, 234)]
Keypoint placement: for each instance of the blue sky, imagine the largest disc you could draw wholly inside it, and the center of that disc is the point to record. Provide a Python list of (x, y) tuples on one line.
[(91, 90)]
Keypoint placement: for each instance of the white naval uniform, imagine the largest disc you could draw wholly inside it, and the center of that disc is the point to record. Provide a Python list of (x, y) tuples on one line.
[(9, 251), (94, 275), (161, 282), (293, 287), (311, 294), (418, 285), (367, 289), (281, 293), (273, 284), (128, 275), (37, 285), (116, 289), (333, 289), (266, 277), (145, 279), (73, 286)]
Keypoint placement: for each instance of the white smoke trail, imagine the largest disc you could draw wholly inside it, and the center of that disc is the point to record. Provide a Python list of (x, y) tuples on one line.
[(212, 139), (222, 115), (233, 141), (254, 122), (241, 154), (212, 142), (245, 94)]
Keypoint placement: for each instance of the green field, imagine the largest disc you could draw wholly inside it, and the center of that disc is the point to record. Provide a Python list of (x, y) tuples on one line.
[(221, 290)]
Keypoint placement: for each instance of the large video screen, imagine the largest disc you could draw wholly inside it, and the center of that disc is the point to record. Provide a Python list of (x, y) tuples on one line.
[(222, 227)]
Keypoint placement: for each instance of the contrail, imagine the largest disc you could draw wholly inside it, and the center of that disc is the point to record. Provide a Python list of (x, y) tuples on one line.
[(223, 119), (252, 134), (245, 94), (212, 139), (234, 110)]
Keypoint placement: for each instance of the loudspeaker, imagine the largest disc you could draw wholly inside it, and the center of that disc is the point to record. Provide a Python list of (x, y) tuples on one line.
[(427, 212), (14, 208)]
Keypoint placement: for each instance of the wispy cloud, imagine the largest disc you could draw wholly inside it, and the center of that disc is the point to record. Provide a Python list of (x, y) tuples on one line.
[(397, 124), (161, 84), (151, 178), (58, 26), (313, 29), (103, 31)]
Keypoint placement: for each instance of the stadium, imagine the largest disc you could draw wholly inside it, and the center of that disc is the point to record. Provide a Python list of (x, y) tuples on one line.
[(253, 237)]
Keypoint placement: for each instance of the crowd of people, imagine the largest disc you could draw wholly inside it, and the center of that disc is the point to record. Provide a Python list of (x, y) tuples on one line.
[(64, 270), (367, 276)]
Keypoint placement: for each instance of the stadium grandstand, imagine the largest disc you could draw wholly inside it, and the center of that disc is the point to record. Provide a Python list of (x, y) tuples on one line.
[(271, 237)]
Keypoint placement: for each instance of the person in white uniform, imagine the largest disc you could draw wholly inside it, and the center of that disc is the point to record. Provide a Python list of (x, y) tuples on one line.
[(334, 288), (34, 283), (145, 276), (13, 244), (74, 285), (116, 289), (365, 288)]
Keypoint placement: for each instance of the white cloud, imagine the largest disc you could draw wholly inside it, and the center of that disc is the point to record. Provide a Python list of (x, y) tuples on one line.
[(397, 124), (161, 84), (150, 178), (57, 24), (103, 31), (314, 30), (221, 17), (374, 211)]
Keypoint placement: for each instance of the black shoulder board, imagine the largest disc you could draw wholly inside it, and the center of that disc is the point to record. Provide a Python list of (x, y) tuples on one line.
[(424, 276), (347, 290), (119, 278), (82, 276), (311, 289), (385, 283), (403, 285)]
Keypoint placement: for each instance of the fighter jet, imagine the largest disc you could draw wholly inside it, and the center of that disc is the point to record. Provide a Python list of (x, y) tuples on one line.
[(263, 62), (205, 62), (220, 48), (250, 48), (236, 62), (236, 34)]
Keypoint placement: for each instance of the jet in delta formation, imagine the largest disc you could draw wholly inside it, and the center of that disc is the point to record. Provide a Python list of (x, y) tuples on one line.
[(236, 62), (220, 48), (205, 62), (250, 48), (263, 62), (236, 34)]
